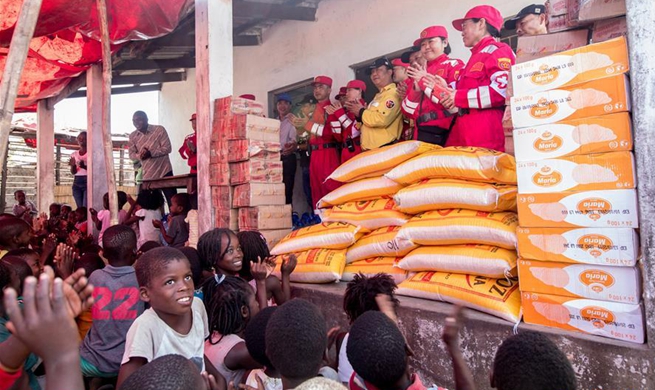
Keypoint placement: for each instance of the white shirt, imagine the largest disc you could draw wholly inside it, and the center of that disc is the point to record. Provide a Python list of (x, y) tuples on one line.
[(216, 354), (149, 337), (78, 159), (345, 369), (147, 232)]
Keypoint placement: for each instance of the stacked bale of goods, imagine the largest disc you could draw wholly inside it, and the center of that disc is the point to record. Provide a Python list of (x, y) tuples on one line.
[(577, 199), (463, 229)]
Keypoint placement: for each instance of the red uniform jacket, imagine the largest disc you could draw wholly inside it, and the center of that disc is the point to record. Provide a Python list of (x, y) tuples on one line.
[(325, 159), (480, 96), (350, 130), (186, 153), (419, 104)]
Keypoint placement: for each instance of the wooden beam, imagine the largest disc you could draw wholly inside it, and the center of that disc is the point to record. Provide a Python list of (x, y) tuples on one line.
[(72, 87), (14, 63), (124, 90), (247, 40), (149, 78), (45, 161), (247, 26), (96, 186), (184, 62), (248, 9)]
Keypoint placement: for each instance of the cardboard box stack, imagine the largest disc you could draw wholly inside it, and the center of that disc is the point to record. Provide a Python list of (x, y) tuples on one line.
[(577, 203), (246, 171)]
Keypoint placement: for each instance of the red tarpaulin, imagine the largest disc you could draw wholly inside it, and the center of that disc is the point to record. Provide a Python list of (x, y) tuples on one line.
[(66, 42)]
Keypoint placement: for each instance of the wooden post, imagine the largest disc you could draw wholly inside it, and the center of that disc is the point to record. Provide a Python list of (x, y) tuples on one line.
[(214, 79), (96, 173), (3, 183), (20, 43), (121, 168), (58, 165), (45, 160), (106, 107)]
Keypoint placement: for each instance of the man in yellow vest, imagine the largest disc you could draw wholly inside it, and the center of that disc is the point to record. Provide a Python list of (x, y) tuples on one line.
[(382, 121)]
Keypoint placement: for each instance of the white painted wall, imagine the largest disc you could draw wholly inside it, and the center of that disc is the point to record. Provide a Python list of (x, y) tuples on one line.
[(347, 32), (177, 102)]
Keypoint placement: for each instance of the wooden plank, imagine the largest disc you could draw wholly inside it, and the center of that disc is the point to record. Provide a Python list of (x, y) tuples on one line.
[(96, 184), (145, 64), (179, 181), (14, 63), (247, 9), (149, 78), (45, 160), (214, 79), (106, 108), (121, 91)]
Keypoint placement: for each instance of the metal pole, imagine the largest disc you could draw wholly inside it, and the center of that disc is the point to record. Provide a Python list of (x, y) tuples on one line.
[(20, 43)]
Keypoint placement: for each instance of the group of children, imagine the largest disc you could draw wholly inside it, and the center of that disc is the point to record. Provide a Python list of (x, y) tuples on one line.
[(214, 318)]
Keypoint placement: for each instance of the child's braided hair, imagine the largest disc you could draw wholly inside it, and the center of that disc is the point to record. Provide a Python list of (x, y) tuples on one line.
[(224, 298)]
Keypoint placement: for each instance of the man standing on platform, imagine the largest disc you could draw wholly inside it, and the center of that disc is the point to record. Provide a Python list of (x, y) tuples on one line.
[(150, 145), (288, 144)]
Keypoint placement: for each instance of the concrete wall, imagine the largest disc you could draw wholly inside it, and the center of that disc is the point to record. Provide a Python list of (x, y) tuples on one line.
[(599, 363), (177, 101)]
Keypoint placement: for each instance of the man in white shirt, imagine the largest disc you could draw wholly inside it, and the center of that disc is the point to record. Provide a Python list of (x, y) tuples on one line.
[(288, 145)]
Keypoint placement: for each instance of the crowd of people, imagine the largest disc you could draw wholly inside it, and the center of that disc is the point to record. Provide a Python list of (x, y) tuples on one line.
[(139, 309)]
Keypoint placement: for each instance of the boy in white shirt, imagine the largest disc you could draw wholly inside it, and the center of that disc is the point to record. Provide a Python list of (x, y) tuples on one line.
[(176, 322)]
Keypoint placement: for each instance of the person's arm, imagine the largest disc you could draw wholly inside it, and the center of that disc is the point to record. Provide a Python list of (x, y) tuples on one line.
[(48, 329), (133, 151), (171, 229), (258, 271), (19, 210), (288, 266), (184, 151), (129, 368), (239, 358), (496, 70), (163, 145), (463, 377), (384, 113)]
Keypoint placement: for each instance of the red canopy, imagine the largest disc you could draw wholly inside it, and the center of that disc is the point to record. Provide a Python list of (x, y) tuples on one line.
[(66, 39)]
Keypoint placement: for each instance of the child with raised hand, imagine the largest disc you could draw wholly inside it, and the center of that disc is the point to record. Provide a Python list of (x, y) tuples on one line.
[(102, 218), (175, 323), (231, 305), (255, 336), (360, 297), (117, 305), (255, 250), (178, 230), (220, 253), (145, 210)]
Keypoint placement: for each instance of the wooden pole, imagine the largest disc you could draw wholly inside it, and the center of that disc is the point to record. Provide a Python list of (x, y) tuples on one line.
[(106, 102), (20, 43)]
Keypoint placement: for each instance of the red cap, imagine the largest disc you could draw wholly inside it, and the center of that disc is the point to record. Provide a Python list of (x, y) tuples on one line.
[(431, 32), (248, 96), (193, 117), (399, 62), (489, 13), (357, 84), (323, 80), (342, 92)]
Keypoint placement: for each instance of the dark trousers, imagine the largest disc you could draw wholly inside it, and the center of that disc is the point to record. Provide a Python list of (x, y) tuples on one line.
[(79, 190), (307, 188), (289, 175)]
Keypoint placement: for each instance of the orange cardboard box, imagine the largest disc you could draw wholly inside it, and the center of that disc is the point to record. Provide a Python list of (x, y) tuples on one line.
[(227, 219), (532, 47), (600, 134), (246, 149), (604, 171), (265, 217), (219, 174), (619, 321), (222, 196), (586, 10), (593, 246), (593, 98), (255, 128), (571, 67), (256, 171), (601, 209), (218, 152), (258, 194), (607, 29), (616, 284)]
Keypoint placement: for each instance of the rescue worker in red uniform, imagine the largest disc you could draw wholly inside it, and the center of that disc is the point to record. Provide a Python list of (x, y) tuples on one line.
[(403, 85), (480, 92), (349, 136), (433, 121), (322, 144)]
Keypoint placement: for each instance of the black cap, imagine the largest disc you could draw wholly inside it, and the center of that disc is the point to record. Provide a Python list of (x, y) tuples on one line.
[(308, 99), (534, 9), (384, 61), (405, 56)]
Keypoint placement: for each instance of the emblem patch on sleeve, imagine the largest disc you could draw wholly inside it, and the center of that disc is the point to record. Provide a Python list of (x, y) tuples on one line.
[(504, 63), (390, 103)]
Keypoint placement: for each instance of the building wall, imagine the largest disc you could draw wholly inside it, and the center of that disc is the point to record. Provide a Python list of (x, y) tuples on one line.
[(177, 102)]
